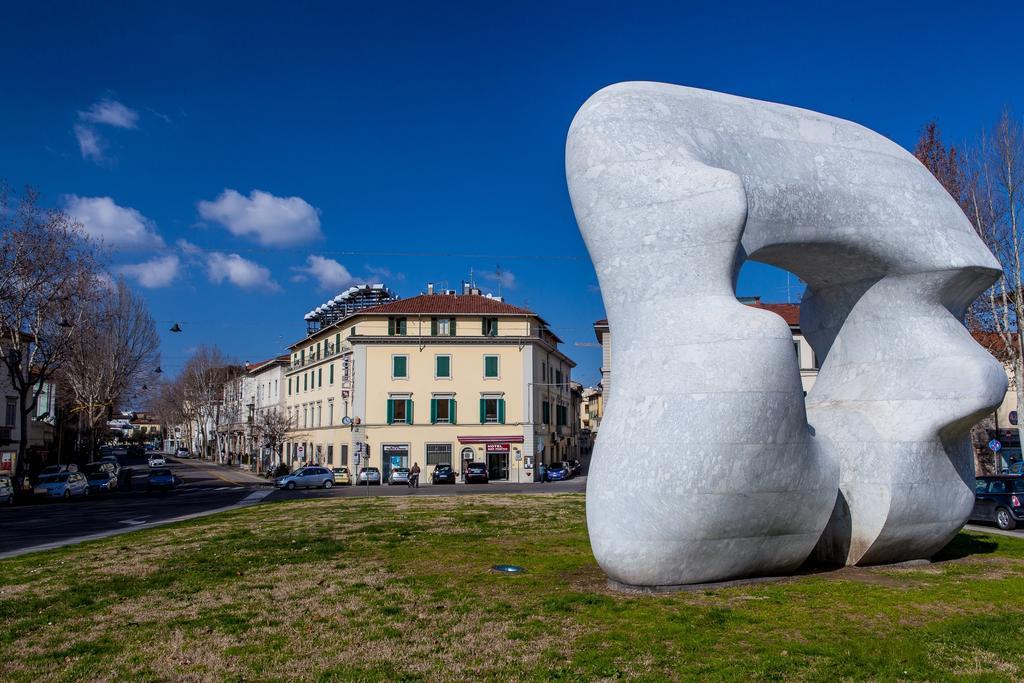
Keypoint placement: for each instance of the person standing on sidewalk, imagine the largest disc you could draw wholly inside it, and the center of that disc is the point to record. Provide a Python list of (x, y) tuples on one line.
[(542, 471), (414, 476)]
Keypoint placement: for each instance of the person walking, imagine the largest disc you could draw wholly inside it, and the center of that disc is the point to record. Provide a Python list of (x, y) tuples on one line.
[(542, 470), (414, 476)]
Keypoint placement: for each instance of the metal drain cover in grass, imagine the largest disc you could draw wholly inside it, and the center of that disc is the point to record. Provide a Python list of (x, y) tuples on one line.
[(508, 569)]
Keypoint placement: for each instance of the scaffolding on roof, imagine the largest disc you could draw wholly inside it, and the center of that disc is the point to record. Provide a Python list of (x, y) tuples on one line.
[(350, 301)]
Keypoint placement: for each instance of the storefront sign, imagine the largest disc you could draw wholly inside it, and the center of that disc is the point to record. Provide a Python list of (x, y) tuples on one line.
[(6, 462), (393, 449), (497, 448)]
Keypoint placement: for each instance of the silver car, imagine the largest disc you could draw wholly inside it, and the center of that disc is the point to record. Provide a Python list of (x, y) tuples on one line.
[(368, 476), (399, 475), (306, 477)]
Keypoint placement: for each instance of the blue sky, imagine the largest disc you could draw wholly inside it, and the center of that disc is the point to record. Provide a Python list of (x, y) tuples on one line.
[(248, 154)]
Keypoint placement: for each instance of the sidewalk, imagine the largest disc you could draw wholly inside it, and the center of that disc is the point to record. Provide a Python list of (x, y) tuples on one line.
[(230, 473)]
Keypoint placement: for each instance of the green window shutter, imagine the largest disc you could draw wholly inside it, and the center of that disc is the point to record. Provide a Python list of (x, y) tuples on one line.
[(401, 326), (305, 381), (501, 411), (391, 327), (490, 366), (408, 411), (433, 327), (451, 410), (451, 327), (483, 411), (331, 379), (337, 342), (399, 366), (444, 366), (289, 386), (494, 328), (433, 411), (483, 326), (391, 411), (320, 377)]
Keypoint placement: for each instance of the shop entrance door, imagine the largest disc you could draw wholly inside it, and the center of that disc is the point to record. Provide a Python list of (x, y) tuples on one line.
[(497, 466), (395, 455)]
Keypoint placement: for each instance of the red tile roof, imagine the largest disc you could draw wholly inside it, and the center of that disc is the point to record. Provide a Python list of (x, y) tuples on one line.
[(252, 367), (788, 312), (447, 304)]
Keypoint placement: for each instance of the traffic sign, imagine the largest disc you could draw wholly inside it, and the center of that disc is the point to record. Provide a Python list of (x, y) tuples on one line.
[(355, 458), (994, 445)]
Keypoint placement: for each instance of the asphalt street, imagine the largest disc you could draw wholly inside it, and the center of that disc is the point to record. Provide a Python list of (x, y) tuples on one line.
[(204, 487)]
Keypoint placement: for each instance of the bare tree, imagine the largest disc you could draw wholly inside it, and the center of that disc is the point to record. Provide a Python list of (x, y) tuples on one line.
[(273, 427), (994, 201), (114, 351), (204, 378), (48, 270)]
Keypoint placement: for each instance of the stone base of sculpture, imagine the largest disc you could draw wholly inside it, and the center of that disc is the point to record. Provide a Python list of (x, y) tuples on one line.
[(711, 465)]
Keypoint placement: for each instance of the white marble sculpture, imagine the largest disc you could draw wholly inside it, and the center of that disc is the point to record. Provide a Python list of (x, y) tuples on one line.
[(710, 465)]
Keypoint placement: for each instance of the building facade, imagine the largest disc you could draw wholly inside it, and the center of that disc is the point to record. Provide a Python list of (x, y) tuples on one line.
[(440, 378)]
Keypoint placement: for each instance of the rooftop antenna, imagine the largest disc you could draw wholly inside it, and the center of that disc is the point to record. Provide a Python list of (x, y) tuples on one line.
[(472, 282), (497, 275)]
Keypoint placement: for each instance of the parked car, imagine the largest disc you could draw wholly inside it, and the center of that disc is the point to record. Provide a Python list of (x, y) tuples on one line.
[(558, 471), (306, 477), (57, 469), (476, 472), (150, 447), (157, 460), (161, 479), (62, 485), (442, 474), (399, 475), (6, 490), (1015, 468), (575, 466), (368, 476), (998, 499), (182, 452), (100, 479), (112, 459), (341, 476)]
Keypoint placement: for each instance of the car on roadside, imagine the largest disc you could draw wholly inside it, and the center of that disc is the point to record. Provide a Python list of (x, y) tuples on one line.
[(999, 499), (57, 469), (442, 474), (100, 479), (6, 490), (558, 471), (476, 473), (113, 460), (182, 453), (341, 476), (368, 476), (157, 460), (306, 477), (399, 475), (149, 447), (62, 485), (161, 479)]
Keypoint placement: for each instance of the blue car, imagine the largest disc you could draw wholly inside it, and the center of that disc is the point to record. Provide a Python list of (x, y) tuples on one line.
[(100, 478), (62, 485), (161, 479), (558, 471)]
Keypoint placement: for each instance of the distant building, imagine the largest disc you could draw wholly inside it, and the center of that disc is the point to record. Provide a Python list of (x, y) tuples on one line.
[(445, 377)]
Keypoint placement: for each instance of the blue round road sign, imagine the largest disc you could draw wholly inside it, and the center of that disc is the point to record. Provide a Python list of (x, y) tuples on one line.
[(994, 445)]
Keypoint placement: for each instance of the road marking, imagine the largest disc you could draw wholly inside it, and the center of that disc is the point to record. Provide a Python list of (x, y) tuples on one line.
[(134, 521)]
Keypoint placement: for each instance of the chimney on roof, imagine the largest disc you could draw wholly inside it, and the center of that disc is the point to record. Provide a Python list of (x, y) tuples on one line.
[(430, 288), (465, 287)]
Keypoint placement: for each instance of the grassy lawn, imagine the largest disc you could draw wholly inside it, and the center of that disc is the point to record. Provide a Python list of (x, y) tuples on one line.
[(400, 589)]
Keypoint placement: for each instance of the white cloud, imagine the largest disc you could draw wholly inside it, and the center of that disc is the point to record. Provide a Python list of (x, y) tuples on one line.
[(157, 272), (90, 143), (117, 226), (505, 278), (239, 272), (272, 221), (111, 113), (188, 248), (328, 273)]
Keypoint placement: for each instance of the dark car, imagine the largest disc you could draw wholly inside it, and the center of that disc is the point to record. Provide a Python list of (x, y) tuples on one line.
[(998, 499), (558, 471), (101, 479), (442, 474), (476, 472), (161, 479)]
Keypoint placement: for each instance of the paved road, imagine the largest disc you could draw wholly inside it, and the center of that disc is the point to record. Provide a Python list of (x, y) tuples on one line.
[(205, 487)]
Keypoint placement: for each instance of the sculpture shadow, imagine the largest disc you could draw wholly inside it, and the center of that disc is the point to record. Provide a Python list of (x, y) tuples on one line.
[(963, 546)]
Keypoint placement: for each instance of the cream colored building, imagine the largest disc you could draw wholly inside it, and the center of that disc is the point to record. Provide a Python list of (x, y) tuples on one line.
[(437, 378)]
